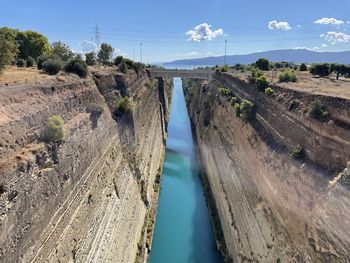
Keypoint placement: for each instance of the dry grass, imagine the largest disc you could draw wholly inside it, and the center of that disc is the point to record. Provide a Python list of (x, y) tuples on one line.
[(307, 83), (19, 76)]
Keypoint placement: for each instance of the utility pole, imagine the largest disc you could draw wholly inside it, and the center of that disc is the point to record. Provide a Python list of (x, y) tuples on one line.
[(141, 52), (97, 37), (225, 62)]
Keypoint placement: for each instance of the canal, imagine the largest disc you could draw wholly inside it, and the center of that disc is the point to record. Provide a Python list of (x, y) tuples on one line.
[(183, 232)]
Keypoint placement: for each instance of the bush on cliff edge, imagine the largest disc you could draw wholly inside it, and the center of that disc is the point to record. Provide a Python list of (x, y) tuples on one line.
[(55, 129)]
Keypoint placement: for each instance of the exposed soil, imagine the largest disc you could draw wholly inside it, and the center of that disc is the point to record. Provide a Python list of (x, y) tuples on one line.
[(328, 86)]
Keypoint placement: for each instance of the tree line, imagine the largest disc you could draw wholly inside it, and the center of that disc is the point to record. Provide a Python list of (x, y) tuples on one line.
[(27, 48)]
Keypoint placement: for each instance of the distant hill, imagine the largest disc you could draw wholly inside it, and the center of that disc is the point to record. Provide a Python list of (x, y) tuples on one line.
[(290, 55)]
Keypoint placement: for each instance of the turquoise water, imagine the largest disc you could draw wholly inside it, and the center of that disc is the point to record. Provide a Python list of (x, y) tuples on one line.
[(183, 232)]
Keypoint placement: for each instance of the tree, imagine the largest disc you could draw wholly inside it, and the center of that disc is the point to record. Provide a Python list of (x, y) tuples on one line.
[(118, 60), (32, 44), (77, 66), (62, 50), (262, 64), (52, 66), (90, 58), (8, 47), (303, 67), (321, 70), (123, 67), (105, 53), (339, 69), (41, 60)]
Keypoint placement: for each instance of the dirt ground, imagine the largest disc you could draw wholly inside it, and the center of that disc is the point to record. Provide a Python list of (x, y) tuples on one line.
[(14, 76), (328, 86), (306, 82)]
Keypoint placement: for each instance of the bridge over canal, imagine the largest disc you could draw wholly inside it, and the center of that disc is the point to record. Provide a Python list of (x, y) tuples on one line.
[(186, 74)]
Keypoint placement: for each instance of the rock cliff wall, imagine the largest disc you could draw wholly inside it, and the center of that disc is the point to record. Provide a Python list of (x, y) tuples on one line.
[(273, 208), (86, 199)]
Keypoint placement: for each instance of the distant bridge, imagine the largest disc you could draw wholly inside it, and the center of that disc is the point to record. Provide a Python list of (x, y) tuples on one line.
[(187, 74)]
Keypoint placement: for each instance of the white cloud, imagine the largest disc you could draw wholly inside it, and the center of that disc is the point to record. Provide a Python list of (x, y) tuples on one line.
[(324, 45), (336, 37), (329, 21), (189, 54), (87, 46), (311, 49), (299, 26), (279, 25), (203, 32)]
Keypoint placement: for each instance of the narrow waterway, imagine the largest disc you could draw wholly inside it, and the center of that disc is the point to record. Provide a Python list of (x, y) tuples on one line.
[(183, 231)]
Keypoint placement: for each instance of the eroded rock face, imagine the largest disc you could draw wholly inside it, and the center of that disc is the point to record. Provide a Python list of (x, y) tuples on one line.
[(272, 208), (86, 199)]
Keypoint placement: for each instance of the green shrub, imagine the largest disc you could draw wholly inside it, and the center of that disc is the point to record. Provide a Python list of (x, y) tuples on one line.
[(233, 101), (124, 105), (90, 58), (254, 75), (20, 63), (129, 62), (77, 66), (138, 67), (321, 70), (261, 83), (293, 104), (297, 153), (246, 110), (40, 61), (269, 91), (55, 129), (52, 66), (237, 109), (118, 60), (318, 111), (262, 64), (225, 92), (123, 67), (303, 67), (30, 61), (221, 69), (287, 75)]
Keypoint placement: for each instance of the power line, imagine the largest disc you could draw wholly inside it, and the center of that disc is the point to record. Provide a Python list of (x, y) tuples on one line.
[(97, 37)]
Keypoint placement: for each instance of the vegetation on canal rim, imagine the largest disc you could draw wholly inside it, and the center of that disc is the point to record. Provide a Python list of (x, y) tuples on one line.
[(52, 66), (76, 66), (269, 91), (124, 105), (258, 78), (318, 111), (287, 75), (225, 92), (245, 110), (55, 129), (297, 153)]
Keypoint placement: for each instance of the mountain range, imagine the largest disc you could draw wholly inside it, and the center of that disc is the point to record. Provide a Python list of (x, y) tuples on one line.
[(290, 55)]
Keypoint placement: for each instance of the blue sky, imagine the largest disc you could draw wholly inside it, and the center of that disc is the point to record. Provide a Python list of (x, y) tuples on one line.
[(161, 26)]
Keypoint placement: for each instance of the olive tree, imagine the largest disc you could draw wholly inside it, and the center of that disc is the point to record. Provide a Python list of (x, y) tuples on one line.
[(61, 50)]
